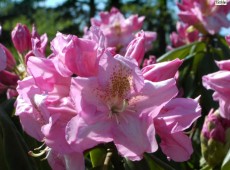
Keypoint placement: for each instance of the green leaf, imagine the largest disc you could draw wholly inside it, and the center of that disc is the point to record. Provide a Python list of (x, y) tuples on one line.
[(226, 162), (223, 47), (13, 150), (152, 164), (157, 163), (135, 165), (183, 52), (97, 156)]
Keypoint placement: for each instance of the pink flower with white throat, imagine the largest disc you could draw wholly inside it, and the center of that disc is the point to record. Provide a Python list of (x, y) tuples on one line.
[(118, 105)]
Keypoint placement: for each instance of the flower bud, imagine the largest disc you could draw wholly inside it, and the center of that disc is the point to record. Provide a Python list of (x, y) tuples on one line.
[(10, 60), (214, 138), (21, 38), (2, 59), (227, 38)]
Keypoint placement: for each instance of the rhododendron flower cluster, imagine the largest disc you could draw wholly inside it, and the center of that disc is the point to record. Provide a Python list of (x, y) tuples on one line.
[(119, 31), (98, 102), (204, 15), (83, 95)]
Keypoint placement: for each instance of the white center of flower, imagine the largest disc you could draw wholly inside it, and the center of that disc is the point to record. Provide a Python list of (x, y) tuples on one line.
[(117, 92)]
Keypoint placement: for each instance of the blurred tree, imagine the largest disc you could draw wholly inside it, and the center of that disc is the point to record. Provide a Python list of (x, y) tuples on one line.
[(113, 3), (79, 12)]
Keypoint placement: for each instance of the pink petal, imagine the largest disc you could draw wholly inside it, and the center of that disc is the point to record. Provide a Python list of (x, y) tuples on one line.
[(70, 161), (28, 119), (74, 160), (46, 76), (161, 71), (218, 81), (176, 146), (82, 136), (133, 136), (86, 97), (224, 64), (180, 113), (136, 48), (111, 66), (154, 96), (54, 133)]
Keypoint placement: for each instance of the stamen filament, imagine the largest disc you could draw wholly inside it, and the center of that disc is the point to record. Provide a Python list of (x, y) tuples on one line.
[(31, 153)]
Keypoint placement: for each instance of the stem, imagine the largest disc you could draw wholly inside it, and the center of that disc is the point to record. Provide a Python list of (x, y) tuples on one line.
[(107, 160), (21, 59), (160, 162)]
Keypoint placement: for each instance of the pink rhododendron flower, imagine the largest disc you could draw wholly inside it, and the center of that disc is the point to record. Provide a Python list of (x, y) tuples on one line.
[(175, 117), (43, 104), (118, 105), (84, 94), (120, 31), (204, 15), (77, 55), (183, 36), (219, 82), (21, 38)]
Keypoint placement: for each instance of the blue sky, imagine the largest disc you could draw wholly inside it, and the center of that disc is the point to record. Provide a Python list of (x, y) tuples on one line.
[(51, 3)]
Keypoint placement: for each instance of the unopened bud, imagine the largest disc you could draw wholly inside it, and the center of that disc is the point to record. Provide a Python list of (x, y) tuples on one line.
[(214, 145), (21, 38), (10, 60)]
